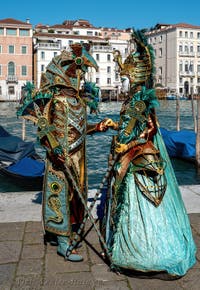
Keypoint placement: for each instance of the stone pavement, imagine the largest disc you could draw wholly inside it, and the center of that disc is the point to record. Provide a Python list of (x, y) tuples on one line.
[(27, 264)]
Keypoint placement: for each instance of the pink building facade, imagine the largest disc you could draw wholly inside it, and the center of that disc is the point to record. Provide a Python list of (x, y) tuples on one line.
[(16, 57)]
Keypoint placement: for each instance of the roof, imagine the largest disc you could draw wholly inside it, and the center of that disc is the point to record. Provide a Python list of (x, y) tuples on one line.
[(13, 21), (186, 25), (59, 35)]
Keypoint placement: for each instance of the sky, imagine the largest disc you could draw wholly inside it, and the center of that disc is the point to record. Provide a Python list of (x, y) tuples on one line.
[(104, 13)]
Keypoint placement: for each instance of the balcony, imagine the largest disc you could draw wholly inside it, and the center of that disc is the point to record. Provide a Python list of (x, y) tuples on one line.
[(187, 73), (12, 79), (101, 48), (187, 53), (49, 45)]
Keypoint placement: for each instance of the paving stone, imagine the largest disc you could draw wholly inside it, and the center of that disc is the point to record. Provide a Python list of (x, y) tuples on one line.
[(33, 238), (33, 227), (11, 231), (9, 251), (69, 281), (30, 266), (153, 284), (191, 280), (7, 273), (30, 282), (102, 272), (33, 251), (114, 285), (57, 264), (95, 254)]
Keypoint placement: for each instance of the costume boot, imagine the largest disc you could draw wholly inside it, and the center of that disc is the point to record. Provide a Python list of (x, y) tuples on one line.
[(63, 245)]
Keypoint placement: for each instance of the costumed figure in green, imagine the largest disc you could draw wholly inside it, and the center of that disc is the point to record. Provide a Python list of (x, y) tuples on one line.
[(60, 114), (146, 226), (91, 95)]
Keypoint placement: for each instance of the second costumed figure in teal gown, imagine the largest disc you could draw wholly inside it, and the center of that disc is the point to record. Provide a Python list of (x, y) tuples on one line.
[(146, 224)]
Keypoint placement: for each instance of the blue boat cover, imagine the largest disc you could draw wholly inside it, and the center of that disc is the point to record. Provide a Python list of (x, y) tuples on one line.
[(13, 148), (181, 144), (28, 167)]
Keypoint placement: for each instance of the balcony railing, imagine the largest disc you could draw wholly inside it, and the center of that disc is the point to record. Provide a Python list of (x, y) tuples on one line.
[(12, 79), (186, 73), (187, 53), (47, 45), (103, 48)]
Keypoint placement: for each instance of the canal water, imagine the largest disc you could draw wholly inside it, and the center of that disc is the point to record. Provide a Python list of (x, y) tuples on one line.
[(98, 145)]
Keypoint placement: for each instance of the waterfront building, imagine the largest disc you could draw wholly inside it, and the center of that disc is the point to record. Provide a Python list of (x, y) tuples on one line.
[(16, 66), (177, 57), (51, 40)]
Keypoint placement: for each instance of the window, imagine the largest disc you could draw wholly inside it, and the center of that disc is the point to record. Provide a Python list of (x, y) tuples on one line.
[(11, 90), (198, 68), (24, 70), (24, 32), (191, 67), (160, 71), (1, 31), (55, 53), (117, 76), (42, 67), (24, 49), (198, 34), (181, 67), (186, 34), (108, 57), (191, 34), (161, 38), (180, 33), (97, 56), (70, 42), (108, 81), (108, 69), (97, 80), (0, 69), (191, 48), (160, 52), (0, 49), (186, 67), (42, 55), (0, 90), (186, 48), (11, 31), (180, 48), (11, 68), (90, 33), (11, 49), (181, 80)]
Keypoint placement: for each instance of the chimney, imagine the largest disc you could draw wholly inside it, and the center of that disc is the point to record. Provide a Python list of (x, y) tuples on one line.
[(27, 20)]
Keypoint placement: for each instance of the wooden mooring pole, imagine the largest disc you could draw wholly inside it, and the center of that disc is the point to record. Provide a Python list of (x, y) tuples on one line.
[(177, 113), (198, 138), (194, 114), (23, 129)]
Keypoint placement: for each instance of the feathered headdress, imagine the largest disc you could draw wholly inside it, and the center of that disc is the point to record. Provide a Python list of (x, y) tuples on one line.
[(62, 70), (139, 65)]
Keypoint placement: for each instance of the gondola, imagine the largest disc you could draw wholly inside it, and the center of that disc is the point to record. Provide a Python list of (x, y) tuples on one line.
[(19, 162)]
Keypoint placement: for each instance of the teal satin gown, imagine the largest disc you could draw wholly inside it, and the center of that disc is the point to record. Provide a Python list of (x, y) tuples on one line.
[(140, 235)]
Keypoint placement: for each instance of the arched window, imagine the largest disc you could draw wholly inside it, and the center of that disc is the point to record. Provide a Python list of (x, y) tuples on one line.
[(11, 68)]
